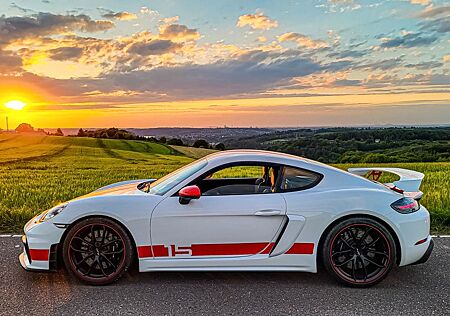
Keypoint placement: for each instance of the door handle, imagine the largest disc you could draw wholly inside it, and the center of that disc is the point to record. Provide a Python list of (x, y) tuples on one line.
[(268, 213)]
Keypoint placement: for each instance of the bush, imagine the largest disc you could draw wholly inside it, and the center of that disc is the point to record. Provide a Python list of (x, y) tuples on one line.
[(201, 143), (220, 146)]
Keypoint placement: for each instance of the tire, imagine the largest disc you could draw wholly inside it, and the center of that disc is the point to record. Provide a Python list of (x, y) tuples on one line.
[(100, 260), (359, 252)]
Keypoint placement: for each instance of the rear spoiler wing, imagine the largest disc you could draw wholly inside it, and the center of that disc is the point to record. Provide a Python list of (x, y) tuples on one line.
[(409, 181)]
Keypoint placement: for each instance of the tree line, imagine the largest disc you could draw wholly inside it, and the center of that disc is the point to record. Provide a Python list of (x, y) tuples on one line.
[(116, 133), (357, 145)]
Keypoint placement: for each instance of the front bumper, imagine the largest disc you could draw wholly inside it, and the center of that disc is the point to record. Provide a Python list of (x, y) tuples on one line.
[(40, 246), (38, 259)]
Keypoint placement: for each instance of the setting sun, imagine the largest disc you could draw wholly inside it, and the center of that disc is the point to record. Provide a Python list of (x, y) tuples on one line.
[(15, 105)]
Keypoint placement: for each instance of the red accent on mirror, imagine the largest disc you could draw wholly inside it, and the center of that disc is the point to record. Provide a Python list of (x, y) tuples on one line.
[(192, 192)]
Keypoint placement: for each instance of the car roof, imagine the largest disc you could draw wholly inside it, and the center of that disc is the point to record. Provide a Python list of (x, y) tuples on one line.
[(236, 155), (333, 174)]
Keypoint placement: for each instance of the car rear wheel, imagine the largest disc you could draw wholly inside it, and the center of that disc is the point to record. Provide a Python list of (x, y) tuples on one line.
[(359, 252), (97, 251)]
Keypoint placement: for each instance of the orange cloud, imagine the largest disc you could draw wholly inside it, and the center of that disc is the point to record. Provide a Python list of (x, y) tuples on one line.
[(178, 32), (257, 21), (421, 2), (302, 40), (122, 16)]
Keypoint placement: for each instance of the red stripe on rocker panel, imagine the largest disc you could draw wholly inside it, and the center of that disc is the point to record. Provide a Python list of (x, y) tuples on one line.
[(228, 249), (150, 252), (160, 251), (39, 254), (301, 248), (144, 251)]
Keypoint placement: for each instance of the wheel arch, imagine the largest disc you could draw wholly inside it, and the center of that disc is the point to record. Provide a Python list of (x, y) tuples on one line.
[(345, 217), (118, 222)]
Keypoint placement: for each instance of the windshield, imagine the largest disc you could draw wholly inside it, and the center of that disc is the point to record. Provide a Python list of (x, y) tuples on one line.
[(166, 183)]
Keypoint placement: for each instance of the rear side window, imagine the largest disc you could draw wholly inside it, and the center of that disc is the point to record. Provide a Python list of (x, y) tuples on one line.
[(295, 179)]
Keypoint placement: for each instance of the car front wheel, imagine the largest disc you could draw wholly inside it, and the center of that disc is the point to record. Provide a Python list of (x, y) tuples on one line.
[(359, 252), (97, 251)]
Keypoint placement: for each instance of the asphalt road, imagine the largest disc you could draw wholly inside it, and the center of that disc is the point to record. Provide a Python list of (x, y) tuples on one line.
[(414, 290)]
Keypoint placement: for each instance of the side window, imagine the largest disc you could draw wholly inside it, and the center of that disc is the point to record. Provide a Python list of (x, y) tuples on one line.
[(238, 172), (240, 179), (294, 179)]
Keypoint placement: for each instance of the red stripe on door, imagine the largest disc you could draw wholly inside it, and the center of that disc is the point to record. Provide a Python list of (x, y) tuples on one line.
[(39, 254), (234, 249), (301, 248), (229, 249)]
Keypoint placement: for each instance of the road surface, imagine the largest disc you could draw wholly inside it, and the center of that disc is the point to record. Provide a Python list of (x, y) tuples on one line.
[(414, 290)]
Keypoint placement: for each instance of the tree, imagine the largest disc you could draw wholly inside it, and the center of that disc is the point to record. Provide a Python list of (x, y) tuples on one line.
[(220, 146), (376, 157), (59, 132), (24, 128), (162, 140), (201, 143), (81, 133), (175, 141)]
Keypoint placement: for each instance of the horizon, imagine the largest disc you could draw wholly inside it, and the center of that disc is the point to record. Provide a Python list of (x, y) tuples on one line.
[(153, 64), (47, 129)]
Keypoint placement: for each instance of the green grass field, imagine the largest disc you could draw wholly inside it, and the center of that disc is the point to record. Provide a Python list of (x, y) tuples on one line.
[(37, 172)]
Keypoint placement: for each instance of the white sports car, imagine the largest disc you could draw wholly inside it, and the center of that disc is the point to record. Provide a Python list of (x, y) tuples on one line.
[(240, 210)]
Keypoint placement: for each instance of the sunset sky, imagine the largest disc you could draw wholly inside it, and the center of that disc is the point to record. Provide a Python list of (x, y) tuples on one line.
[(213, 63)]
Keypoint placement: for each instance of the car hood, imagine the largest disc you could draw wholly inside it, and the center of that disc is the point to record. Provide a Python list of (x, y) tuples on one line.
[(119, 188)]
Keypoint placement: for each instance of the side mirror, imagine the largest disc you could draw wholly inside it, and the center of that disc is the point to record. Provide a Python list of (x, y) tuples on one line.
[(189, 193)]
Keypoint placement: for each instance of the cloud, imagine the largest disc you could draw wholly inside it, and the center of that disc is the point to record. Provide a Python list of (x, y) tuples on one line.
[(446, 58), (44, 24), (66, 53), (409, 40), (340, 6), (9, 63), (122, 16), (154, 47), (348, 53), (261, 39), (178, 32), (146, 10), (257, 21), (431, 11), (252, 72), (426, 65), (323, 79), (249, 74), (421, 2), (170, 20), (440, 25), (302, 40)]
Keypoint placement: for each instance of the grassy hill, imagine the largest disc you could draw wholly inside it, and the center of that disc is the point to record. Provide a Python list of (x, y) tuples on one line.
[(37, 172), (192, 151)]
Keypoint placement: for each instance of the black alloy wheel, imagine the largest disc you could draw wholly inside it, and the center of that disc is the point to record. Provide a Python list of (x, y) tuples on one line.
[(97, 251), (359, 252)]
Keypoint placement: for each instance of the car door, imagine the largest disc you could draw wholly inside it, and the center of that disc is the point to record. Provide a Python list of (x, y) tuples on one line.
[(218, 226)]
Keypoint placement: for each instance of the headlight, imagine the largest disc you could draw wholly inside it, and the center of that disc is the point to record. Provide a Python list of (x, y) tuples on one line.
[(52, 212)]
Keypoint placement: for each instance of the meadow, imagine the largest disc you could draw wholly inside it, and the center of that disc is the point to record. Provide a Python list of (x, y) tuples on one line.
[(37, 172)]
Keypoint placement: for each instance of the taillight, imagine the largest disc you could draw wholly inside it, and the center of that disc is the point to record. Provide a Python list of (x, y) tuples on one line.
[(406, 205)]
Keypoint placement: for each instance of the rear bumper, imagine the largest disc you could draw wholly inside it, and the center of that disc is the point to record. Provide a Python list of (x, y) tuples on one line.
[(427, 253), (412, 230)]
